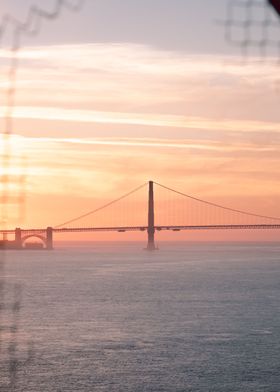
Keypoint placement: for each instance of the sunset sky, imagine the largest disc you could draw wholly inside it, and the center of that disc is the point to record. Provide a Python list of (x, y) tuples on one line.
[(128, 91)]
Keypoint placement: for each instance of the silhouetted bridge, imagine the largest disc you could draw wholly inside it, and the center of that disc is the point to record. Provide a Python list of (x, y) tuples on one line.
[(46, 234)]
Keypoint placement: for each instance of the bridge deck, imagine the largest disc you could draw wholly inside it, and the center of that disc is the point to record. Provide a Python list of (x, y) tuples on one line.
[(145, 228)]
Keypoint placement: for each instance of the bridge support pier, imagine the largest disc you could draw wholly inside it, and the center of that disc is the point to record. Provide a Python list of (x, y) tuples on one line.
[(49, 239), (151, 219), (18, 242)]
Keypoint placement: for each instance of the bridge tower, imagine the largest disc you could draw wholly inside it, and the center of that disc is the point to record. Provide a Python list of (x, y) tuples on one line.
[(49, 239), (18, 242), (151, 218)]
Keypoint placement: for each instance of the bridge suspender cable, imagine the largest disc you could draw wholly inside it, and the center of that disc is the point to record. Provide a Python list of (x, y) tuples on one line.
[(217, 205), (102, 207)]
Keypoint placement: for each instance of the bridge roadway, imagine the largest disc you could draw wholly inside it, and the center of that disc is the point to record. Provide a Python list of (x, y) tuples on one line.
[(145, 228), (46, 235)]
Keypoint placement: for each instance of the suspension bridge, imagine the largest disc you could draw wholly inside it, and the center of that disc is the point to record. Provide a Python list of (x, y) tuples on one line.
[(185, 212)]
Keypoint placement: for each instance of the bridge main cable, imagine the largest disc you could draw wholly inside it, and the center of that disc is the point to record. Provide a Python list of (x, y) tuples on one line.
[(218, 205), (101, 207)]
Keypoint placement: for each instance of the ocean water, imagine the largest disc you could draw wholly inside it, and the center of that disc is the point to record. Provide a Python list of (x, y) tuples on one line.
[(114, 318)]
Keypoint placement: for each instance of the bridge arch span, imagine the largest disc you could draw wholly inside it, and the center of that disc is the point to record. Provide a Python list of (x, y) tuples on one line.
[(39, 236)]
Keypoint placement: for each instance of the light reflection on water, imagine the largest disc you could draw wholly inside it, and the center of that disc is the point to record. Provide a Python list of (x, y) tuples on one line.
[(192, 317)]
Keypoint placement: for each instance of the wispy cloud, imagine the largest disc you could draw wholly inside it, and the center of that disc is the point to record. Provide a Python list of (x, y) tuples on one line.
[(145, 119), (136, 84), (73, 163)]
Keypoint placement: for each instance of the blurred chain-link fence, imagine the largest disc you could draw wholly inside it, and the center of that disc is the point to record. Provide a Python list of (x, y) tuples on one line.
[(254, 27), (12, 187)]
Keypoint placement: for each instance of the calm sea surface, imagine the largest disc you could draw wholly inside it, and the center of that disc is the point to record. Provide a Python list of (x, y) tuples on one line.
[(119, 319)]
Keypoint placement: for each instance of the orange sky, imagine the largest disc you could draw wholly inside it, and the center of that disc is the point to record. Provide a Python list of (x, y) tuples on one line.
[(93, 121)]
